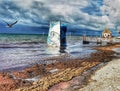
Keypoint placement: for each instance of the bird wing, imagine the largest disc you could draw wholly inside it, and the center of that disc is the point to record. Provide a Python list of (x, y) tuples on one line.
[(13, 23), (7, 23)]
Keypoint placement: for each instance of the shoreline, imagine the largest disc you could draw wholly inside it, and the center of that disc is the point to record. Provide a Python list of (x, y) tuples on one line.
[(84, 82), (56, 73)]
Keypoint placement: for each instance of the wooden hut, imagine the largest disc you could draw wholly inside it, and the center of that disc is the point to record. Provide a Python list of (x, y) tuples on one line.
[(106, 33)]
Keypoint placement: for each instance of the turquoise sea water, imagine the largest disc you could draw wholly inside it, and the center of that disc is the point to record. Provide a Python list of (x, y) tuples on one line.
[(18, 51)]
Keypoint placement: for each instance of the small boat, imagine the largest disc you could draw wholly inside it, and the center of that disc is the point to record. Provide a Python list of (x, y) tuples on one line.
[(85, 42)]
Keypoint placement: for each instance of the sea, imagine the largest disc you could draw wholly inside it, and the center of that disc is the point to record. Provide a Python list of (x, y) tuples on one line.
[(18, 51)]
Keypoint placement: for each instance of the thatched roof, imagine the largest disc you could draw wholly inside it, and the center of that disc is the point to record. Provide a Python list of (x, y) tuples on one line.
[(106, 31)]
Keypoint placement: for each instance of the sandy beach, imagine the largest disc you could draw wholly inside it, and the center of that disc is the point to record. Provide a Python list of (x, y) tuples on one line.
[(71, 75), (103, 77), (107, 78)]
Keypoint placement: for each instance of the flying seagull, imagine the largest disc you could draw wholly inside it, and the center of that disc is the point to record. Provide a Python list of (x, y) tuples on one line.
[(10, 25)]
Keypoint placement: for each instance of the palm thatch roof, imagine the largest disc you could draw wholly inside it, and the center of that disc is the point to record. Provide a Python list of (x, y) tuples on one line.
[(106, 31)]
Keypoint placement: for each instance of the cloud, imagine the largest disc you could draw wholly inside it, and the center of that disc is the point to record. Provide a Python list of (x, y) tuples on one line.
[(24, 4), (112, 10), (92, 14)]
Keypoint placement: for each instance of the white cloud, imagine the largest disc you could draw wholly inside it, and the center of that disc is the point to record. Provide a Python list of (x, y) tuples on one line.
[(23, 3), (112, 9), (35, 12)]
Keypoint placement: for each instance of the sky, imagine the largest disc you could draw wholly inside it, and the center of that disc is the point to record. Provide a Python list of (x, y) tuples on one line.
[(79, 15)]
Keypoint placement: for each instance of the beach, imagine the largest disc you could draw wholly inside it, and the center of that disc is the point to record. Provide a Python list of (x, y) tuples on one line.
[(59, 45), (69, 71), (60, 73), (107, 78), (103, 77)]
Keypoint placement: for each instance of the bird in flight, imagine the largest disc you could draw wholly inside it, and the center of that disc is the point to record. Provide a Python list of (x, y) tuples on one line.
[(11, 25)]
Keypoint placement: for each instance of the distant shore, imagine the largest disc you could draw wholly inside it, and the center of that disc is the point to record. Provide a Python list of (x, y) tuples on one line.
[(44, 77)]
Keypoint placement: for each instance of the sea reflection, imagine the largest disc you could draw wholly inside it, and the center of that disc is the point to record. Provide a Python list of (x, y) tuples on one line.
[(56, 50), (63, 49)]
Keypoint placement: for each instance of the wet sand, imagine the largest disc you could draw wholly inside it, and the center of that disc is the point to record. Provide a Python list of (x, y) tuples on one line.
[(57, 75)]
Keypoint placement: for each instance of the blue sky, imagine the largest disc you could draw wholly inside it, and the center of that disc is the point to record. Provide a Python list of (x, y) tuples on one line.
[(80, 15)]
